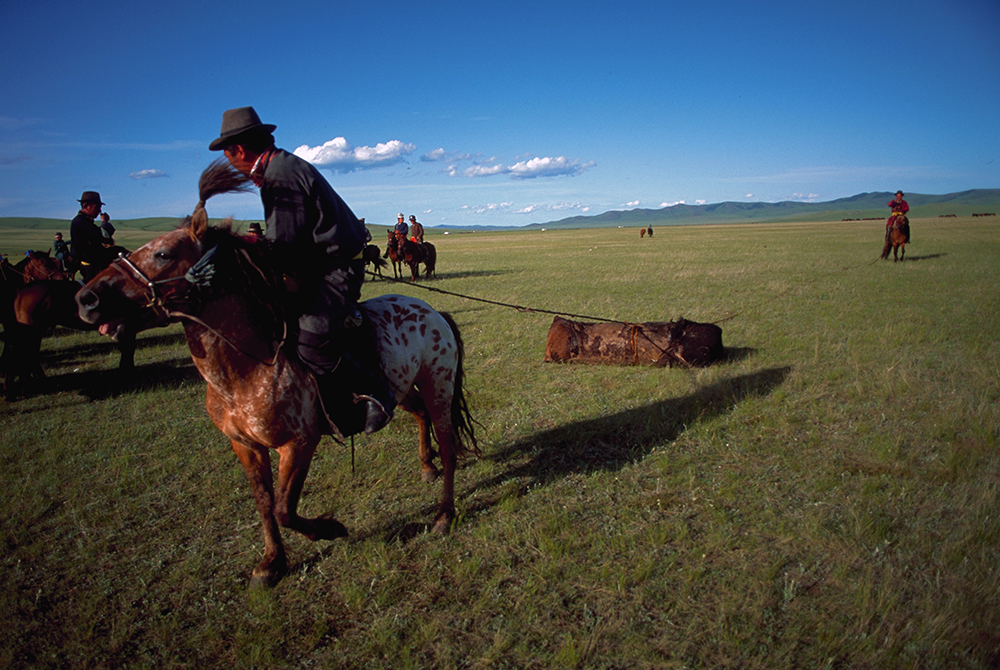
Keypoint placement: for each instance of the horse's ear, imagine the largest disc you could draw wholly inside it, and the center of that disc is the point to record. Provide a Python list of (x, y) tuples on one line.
[(199, 223)]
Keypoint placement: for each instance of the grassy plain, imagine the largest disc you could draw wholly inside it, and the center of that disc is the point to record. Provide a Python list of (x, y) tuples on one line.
[(826, 497)]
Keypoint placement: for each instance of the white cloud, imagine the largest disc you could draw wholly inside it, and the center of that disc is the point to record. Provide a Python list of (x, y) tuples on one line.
[(148, 174), (526, 169), (634, 203), (434, 156), (749, 195), (700, 202), (558, 207), (341, 156), (484, 170), (547, 167), (490, 207)]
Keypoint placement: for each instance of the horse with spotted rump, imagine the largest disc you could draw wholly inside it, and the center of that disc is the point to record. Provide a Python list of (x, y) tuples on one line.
[(259, 395)]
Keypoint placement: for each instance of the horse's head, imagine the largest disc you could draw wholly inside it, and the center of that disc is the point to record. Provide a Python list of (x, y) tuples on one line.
[(40, 265), (142, 284)]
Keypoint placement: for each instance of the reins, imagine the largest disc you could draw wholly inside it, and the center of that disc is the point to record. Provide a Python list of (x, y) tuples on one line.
[(199, 275)]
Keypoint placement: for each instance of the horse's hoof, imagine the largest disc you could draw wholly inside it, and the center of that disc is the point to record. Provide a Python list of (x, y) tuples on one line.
[(442, 526), (429, 476), (265, 577)]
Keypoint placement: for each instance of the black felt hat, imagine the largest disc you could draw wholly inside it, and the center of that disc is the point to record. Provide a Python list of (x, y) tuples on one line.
[(237, 123)]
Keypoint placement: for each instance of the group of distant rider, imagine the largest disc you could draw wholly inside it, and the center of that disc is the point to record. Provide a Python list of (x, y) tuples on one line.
[(414, 231)]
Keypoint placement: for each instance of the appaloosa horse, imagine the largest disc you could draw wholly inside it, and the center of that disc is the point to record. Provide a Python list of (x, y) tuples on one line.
[(896, 238), (259, 395)]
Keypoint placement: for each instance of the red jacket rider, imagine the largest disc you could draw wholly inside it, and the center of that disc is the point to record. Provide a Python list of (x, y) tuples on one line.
[(899, 206)]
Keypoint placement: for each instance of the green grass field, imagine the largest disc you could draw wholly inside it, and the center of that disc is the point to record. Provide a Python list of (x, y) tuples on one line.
[(826, 497)]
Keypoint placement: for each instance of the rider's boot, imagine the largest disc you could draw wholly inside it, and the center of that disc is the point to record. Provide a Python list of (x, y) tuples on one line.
[(341, 385)]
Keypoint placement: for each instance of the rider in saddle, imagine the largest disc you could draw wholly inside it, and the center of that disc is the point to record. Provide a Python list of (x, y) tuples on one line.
[(899, 209), (416, 231), (400, 228), (317, 243)]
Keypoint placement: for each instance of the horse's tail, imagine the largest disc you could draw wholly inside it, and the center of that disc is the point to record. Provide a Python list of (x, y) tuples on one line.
[(886, 249), (461, 420)]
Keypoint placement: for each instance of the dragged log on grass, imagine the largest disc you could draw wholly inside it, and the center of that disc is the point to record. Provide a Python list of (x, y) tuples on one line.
[(670, 343)]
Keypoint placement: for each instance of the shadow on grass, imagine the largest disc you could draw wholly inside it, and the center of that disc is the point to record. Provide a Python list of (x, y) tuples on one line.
[(469, 274), (610, 442), (928, 257), (605, 443), (103, 384), (102, 346)]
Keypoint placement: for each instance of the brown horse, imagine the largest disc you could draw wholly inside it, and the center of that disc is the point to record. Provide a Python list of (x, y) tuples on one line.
[(896, 238), (38, 265), (393, 253), (259, 395), (415, 253), (37, 308)]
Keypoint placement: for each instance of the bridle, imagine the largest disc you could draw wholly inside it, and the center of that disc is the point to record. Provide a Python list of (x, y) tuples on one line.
[(198, 275)]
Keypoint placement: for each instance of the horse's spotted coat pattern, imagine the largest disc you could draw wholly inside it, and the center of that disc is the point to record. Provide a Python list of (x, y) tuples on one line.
[(264, 401)]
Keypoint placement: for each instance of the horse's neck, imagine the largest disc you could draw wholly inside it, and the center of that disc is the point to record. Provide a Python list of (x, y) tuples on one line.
[(228, 348)]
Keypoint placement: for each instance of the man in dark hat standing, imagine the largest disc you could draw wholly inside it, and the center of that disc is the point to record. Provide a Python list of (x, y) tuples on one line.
[(87, 240), (318, 243)]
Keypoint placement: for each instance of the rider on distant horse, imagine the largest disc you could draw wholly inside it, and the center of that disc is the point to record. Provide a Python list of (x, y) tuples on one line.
[(318, 243), (400, 228), (416, 231), (899, 209)]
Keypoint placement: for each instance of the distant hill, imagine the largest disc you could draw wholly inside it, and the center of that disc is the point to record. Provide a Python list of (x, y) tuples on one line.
[(861, 206)]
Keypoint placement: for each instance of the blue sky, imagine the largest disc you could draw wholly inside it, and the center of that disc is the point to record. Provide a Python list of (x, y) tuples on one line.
[(501, 113)]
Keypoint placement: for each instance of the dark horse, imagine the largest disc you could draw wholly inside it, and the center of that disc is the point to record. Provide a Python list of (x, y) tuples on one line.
[(372, 257), (259, 395), (37, 308), (415, 253), (896, 237)]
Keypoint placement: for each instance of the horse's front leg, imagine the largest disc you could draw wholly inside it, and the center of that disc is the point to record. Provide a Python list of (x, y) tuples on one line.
[(292, 470), (257, 464)]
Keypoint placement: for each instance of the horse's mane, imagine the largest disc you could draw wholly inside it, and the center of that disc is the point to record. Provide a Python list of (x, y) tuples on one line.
[(242, 267)]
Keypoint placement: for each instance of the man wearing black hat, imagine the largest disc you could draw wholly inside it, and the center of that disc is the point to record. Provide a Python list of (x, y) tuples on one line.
[(87, 240), (318, 242)]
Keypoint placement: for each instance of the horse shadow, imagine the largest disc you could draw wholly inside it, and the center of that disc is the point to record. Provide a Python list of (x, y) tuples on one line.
[(927, 257), (470, 274), (606, 443), (103, 384)]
